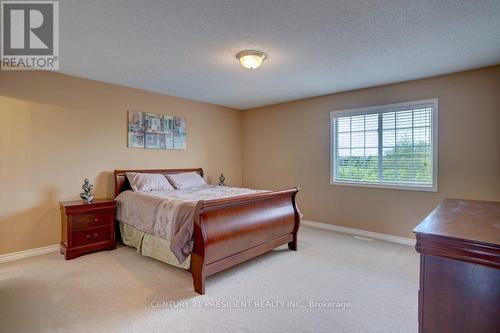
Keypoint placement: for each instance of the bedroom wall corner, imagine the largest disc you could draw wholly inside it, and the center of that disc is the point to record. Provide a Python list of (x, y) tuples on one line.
[(288, 145), (56, 130)]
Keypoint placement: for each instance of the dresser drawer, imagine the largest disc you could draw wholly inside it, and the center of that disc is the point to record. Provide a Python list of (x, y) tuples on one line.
[(89, 236), (92, 220)]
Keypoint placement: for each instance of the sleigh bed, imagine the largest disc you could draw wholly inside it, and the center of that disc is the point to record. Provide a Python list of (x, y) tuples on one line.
[(231, 230)]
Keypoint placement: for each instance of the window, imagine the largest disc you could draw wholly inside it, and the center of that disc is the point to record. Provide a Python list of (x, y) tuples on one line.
[(391, 146)]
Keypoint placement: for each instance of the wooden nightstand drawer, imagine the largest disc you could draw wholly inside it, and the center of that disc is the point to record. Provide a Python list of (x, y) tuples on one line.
[(85, 221), (89, 236)]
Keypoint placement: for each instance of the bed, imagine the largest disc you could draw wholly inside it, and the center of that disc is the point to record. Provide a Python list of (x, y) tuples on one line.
[(227, 230)]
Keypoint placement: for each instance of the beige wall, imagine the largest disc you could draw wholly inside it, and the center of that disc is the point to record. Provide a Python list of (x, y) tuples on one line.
[(288, 145), (56, 130)]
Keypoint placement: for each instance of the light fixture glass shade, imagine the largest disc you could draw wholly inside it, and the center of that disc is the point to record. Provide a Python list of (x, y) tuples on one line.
[(251, 59)]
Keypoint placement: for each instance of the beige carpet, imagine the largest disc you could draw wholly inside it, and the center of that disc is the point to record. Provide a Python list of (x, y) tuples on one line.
[(364, 286)]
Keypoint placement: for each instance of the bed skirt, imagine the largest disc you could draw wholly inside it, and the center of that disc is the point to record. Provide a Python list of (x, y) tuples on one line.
[(150, 246)]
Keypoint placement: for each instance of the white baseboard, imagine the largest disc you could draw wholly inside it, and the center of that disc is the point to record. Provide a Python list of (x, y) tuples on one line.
[(360, 233), (28, 253), (330, 227)]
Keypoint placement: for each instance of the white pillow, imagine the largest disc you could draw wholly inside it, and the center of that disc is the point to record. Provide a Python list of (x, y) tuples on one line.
[(186, 180), (147, 182)]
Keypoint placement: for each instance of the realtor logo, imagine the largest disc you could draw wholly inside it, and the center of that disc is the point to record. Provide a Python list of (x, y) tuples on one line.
[(30, 35)]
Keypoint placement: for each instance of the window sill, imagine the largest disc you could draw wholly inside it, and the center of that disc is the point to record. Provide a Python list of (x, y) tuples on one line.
[(388, 186)]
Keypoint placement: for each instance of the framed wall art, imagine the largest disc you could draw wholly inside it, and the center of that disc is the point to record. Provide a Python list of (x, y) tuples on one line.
[(156, 131)]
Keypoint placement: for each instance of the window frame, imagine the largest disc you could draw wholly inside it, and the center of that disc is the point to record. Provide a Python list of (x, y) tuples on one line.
[(434, 102)]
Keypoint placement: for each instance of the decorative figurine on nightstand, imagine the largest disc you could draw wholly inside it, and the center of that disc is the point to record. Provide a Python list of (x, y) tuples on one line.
[(87, 195), (222, 179)]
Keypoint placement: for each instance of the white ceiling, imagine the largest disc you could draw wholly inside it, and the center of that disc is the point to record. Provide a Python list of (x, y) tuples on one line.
[(186, 48)]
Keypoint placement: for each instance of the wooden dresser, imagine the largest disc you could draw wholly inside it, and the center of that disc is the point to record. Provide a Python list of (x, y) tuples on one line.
[(87, 227), (459, 246)]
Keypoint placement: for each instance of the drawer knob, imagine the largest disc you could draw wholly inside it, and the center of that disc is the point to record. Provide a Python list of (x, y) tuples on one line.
[(92, 237), (93, 221)]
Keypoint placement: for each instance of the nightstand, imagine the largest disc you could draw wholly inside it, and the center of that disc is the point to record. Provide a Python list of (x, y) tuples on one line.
[(87, 227)]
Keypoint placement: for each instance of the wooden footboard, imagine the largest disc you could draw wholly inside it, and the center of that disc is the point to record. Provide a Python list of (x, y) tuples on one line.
[(232, 230)]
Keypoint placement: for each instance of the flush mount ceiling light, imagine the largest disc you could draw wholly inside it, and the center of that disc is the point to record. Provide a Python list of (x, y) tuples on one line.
[(251, 59)]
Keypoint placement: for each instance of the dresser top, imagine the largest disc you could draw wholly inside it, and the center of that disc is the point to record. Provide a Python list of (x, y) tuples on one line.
[(476, 221), (82, 204)]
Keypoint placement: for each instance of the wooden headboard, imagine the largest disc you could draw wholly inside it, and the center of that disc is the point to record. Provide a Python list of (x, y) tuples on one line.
[(122, 184)]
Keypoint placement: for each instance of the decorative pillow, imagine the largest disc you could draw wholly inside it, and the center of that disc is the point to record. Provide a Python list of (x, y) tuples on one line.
[(147, 182), (186, 180)]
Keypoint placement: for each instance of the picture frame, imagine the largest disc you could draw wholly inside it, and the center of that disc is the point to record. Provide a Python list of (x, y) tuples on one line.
[(155, 131)]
